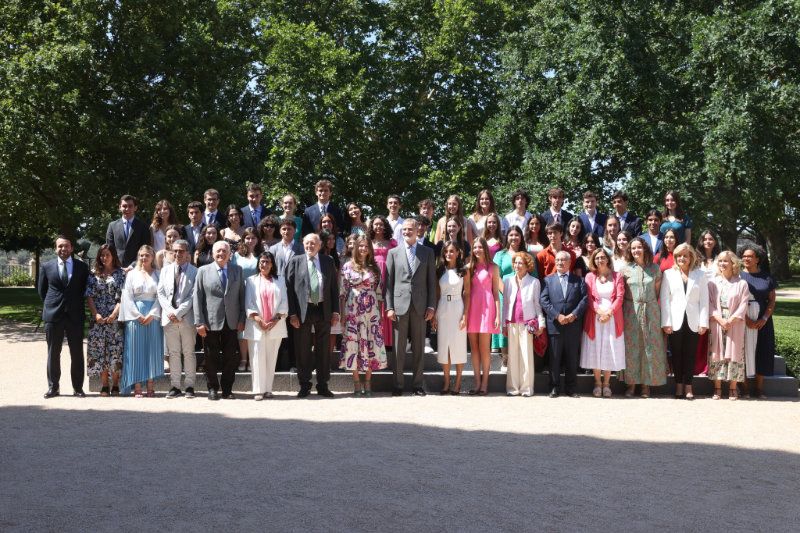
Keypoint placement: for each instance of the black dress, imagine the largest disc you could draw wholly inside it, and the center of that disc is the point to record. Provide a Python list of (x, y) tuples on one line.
[(761, 285)]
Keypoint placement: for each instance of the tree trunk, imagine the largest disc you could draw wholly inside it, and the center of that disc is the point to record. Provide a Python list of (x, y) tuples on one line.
[(778, 249)]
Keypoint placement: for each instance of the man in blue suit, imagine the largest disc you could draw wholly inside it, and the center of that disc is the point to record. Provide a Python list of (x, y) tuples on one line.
[(62, 284), (592, 220), (313, 213), (254, 211), (564, 301), (555, 214), (193, 231), (653, 236)]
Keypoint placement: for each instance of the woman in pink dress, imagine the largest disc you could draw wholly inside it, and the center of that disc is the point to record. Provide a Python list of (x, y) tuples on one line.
[(484, 312), (493, 234), (380, 233)]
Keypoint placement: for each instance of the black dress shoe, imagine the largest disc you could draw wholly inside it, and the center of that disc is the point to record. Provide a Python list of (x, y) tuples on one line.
[(173, 393), (573, 395), (213, 395), (189, 392), (326, 393), (51, 393), (554, 393), (304, 393), (79, 393), (228, 396), (397, 391), (419, 391)]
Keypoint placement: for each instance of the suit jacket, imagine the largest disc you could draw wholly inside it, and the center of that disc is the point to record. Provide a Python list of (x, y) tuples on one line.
[(632, 224), (188, 234), (554, 303), (405, 289), (63, 301), (566, 216), (166, 289), (677, 303), (248, 216), (219, 219), (280, 260), (599, 223), (214, 307), (311, 217), (280, 304), (659, 242), (298, 286), (128, 249)]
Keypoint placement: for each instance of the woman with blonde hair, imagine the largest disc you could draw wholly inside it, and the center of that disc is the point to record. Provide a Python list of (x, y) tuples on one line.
[(684, 315), (454, 207), (728, 295)]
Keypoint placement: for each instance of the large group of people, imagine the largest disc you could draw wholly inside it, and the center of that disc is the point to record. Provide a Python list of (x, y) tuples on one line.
[(606, 293)]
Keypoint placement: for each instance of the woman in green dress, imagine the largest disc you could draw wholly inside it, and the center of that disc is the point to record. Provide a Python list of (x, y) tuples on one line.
[(645, 350)]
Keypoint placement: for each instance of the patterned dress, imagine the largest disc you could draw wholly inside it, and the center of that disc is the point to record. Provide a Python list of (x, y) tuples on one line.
[(362, 335), (105, 342), (725, 369), (645, 350), (380, 258)]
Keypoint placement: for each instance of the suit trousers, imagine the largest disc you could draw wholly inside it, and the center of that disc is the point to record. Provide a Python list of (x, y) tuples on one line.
[(224, 340), (179, 339), (410, 324), (320, 359), (54, 332), (519, 379), (683, 347), (263, 357), (566, 349)]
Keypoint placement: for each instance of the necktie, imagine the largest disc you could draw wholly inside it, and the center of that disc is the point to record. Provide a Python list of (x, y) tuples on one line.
[(127, 229), (410, 258), (557, 218), (175, 293), (255, 217), (64, 274), (314, 282), (563, 278), (322, 210), (209, 219), (223, 277)]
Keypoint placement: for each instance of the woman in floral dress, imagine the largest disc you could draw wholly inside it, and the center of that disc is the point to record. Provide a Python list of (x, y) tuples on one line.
[(645, 350), (362, 336), (103, 294)]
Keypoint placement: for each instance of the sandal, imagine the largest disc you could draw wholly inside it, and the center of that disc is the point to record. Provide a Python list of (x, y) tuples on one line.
[(645, 391), (760, 395), (606, 392), (473, 392), (151, 394), (115, 390), (358, 389), (242, 366), (367, 392), (455, 392), (597, 392), (105, 391), (138, 394), (689, 396), (733, 394), (717, 394), (630, 391)]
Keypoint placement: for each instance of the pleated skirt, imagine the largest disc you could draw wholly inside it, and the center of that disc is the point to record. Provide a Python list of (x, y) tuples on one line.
[(143, 356)]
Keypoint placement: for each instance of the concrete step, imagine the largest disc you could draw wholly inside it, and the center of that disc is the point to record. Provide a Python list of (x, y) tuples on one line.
[(342, 382)]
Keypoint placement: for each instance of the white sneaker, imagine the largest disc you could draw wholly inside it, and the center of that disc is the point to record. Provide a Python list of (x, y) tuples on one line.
[(504, 369)]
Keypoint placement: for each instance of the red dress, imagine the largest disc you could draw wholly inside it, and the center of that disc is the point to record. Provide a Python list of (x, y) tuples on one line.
[(380, 259)]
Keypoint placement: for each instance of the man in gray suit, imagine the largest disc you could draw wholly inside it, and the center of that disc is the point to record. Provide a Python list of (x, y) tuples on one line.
[(313, 290), (219, 312), (285, 250), (175, 295), (410, 295)]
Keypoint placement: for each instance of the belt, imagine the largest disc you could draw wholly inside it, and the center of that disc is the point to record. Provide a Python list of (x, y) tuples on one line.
[(451, 297)]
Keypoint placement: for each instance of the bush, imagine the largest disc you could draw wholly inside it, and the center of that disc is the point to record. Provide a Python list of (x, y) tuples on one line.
[(787, 336), (17, 279)]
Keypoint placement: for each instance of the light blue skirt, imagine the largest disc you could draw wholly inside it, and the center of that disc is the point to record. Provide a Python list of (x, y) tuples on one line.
[(143, 357)]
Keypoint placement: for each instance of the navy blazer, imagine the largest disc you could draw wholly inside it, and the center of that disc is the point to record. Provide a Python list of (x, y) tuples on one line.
[(566, 216), (659, 242), (600, 220), (632, 224), (311, 218), (247, 215), (63, 301), (220, 219), (127, 250), (188, 234), (554, 303)]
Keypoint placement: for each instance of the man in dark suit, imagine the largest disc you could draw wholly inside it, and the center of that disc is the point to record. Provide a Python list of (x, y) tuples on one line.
[(592, 220), (410, 296), (627, 220), (564, 301), (212, 214), (62, 284), (555, 214), (313, 213), (193, 231), (128, 234), (219, 313), (254, 211), (313, 292)]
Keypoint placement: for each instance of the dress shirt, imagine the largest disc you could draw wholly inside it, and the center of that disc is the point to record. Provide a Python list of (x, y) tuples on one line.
[(323, 208), (210, 217), (591, 218), (61, 264)]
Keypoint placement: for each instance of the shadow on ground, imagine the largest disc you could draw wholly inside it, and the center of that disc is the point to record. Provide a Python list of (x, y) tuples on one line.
[(78, 470)]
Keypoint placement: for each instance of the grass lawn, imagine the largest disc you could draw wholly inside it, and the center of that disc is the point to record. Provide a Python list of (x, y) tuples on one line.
[(20, 304), (787, 333), (792, 283)]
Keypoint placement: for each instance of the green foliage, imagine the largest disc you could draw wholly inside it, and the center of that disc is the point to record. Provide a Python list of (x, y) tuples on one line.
[(787, 334), (21, 305), (17, 279)]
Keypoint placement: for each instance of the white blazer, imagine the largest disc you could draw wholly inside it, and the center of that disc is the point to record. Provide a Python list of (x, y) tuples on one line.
[(693, 302), (280, 304), (531, 308)]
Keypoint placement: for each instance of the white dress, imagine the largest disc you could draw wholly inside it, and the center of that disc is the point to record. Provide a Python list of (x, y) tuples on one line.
[(448, 314), (606, 351)]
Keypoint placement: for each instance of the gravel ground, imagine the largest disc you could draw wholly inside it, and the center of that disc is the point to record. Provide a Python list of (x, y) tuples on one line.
[(388, 464)]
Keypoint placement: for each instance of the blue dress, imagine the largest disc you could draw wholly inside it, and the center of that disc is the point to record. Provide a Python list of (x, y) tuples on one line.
[(679, 227), (760, 285), (143, 355)]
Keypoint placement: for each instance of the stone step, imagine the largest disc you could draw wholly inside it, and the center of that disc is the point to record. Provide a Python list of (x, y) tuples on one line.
[(342, 382)]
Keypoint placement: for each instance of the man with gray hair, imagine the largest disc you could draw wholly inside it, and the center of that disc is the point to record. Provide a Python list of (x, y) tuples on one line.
[(175, 295), (564, 301), (219, 313)]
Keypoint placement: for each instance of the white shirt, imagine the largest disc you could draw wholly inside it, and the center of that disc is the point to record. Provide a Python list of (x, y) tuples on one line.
[(208, 214), (61, 263), (521, 221), (590, 217)]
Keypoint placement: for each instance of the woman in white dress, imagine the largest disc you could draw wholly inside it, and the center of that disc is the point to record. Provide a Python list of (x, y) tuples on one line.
[(267, 306), (163, 217), (603, 343), (522, 319), (450, 321)]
